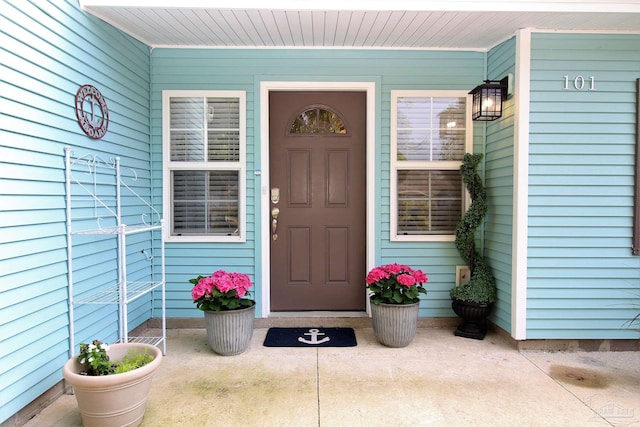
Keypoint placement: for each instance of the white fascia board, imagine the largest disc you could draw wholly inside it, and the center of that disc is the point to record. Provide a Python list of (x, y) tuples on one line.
[(621, 6)]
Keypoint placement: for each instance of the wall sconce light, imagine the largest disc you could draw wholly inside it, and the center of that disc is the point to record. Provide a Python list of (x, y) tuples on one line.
[(488, 98)]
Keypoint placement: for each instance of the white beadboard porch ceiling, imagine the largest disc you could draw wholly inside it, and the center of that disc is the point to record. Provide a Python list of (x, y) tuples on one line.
[(387, 24)]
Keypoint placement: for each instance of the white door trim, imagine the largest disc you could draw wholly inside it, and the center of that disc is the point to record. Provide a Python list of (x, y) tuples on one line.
[(263, 211)]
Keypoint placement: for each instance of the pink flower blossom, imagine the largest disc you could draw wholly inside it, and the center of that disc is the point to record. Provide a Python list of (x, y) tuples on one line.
[(223, 282), (376, 275), (394, 268), (201, 289), (241, 283), (420, 276), (406, 280)]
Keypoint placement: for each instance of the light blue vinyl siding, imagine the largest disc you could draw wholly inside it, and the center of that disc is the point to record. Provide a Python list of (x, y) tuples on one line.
[(231, 69), (47, 51), (499, 181), (582, 280)]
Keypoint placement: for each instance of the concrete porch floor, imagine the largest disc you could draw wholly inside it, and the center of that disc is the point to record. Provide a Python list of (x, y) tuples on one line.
[(438, 380)]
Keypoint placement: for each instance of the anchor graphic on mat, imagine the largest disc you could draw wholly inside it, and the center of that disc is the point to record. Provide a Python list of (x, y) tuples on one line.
[(314, 334)]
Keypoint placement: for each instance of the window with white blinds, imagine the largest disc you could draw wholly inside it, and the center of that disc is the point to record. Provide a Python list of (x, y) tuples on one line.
[(205, 164), (430, 132)]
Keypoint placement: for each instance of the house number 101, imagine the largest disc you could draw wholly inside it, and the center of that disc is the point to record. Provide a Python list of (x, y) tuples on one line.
[(579, 82)]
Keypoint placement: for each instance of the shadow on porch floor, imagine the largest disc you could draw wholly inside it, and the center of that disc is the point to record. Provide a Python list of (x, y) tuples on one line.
[(439, 380)]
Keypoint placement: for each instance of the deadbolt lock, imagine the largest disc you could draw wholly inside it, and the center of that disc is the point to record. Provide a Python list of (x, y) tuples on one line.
[(275, 195)]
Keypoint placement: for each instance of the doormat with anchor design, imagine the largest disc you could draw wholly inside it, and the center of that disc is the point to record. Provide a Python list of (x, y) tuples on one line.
[(310, 337)]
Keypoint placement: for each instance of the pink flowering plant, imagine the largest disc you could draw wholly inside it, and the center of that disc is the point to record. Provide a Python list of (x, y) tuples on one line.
[(396, 284), (221, 291)]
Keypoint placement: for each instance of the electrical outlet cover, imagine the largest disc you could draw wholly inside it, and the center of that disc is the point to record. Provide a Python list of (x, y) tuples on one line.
[(463, 275)]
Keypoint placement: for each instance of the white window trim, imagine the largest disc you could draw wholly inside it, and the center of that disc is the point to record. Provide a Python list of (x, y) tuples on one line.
[(396, 165), (168, 166)]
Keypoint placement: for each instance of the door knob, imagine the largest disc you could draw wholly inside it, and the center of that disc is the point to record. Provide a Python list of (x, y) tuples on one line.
[(274, 222)]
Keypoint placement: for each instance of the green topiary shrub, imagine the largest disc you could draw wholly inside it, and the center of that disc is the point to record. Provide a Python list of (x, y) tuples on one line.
[(482, 285)]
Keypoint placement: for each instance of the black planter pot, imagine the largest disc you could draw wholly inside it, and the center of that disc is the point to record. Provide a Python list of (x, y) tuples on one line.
[(473, 318)]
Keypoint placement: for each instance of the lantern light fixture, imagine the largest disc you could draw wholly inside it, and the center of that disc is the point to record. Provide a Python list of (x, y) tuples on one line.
[(487, 99)]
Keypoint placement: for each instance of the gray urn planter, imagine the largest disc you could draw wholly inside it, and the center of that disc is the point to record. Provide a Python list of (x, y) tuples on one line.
[(395, 325), (229, 332)]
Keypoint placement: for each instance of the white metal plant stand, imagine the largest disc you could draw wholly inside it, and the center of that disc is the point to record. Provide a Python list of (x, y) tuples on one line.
[(94, 203)]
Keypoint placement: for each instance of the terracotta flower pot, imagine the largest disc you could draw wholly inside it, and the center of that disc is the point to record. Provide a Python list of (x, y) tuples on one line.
[(229, 332), (113, 400), (395, 325)]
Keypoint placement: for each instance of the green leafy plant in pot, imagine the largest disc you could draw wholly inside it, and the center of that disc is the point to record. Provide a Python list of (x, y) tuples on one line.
[(112, 382), (473, 301)]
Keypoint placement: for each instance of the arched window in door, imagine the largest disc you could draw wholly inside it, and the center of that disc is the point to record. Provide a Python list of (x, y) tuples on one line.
[(318, 120)]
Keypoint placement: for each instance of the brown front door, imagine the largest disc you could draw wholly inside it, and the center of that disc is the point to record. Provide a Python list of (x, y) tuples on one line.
[(317, 172)]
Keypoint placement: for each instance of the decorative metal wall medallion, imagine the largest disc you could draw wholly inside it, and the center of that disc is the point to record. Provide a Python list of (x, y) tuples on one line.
[(92, 111)]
